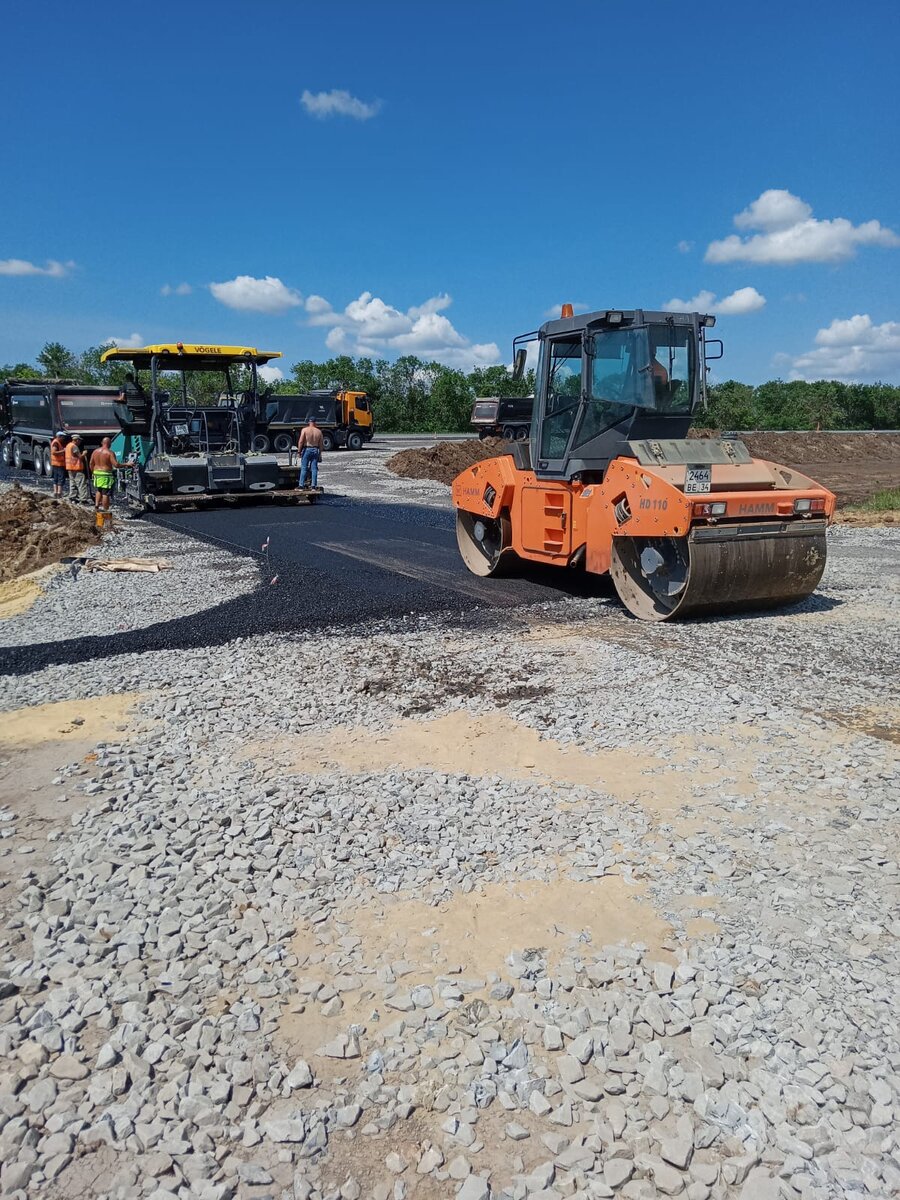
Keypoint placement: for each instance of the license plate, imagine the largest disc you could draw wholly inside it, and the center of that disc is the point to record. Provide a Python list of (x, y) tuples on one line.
[(697, 479)]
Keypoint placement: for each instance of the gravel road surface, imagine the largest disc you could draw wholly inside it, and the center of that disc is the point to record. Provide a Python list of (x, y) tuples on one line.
[(476, 897)]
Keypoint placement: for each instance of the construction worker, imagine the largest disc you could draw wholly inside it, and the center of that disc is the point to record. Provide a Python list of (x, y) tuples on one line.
[(75, 468), (103, 467), (309, 446), (58, 463)]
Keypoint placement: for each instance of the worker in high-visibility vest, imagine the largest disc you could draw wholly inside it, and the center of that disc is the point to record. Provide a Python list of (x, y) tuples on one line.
[(78, 486), (58, 463)]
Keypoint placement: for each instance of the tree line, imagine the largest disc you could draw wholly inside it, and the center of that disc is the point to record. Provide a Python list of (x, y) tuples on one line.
[(413, 396)]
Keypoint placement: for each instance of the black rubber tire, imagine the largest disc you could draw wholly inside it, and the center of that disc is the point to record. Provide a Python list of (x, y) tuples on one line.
[(48, 464), (6, 453), (524, 433), (283, 442), (354, 441), (260, 443), (509, 433), (327, 440), (17, 460), (37, 459)]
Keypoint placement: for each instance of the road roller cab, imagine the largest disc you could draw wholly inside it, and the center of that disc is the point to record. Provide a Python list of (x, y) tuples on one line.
[(610, 481)]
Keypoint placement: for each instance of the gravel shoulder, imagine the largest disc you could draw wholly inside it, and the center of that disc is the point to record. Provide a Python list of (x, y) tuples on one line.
[(533, 902)]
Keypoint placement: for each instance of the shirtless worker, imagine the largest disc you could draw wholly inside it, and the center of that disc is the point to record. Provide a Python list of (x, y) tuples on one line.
[(75, 467), (103, 466), (310, 447), (58, 463)]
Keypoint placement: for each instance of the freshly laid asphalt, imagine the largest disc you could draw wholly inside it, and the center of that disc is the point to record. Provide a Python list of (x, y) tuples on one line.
[(339, 562)]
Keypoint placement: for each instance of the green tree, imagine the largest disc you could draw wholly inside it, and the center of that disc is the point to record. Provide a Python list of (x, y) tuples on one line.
[(57, 362), (18, 371), (449, 405), (732, 405), (102, 374)]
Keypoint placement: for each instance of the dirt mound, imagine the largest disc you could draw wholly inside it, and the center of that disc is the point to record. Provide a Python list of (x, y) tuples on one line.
[(854, 466), (444, 461), (35, 531)]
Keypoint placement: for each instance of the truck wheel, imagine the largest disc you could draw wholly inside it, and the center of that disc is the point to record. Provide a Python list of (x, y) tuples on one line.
[(6, 452), (48, 462), (509, 433), (37, 459), (260, 443), (328, 440), (283, 442), (524, 433), (354, 441), (17, 455)]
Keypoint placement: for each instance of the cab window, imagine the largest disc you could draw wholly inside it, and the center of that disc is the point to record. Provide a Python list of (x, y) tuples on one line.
[(563, 397)]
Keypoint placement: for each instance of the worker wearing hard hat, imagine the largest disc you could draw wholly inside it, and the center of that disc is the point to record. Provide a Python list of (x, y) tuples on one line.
[(75, 468), (58, 463)]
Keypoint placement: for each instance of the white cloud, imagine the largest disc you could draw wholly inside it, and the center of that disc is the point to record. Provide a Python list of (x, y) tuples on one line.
[(181, 289), (124, 343), (684, 247), (20, 266), (852, 349), (338, 103), (791, 234), (552, 313), (247, 294), (270, 374), (320, 311), (371, 327), (744, 300), (434, 305)]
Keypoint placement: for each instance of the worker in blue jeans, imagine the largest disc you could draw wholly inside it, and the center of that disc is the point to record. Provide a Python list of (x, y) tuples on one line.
[(309, 447)]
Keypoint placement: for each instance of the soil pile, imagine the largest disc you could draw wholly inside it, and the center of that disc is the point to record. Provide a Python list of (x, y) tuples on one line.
[(35, 531), (444, 461), (853, 466)]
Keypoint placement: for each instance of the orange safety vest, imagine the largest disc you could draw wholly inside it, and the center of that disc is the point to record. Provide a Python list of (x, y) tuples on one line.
[(57, 453), (73, 463)]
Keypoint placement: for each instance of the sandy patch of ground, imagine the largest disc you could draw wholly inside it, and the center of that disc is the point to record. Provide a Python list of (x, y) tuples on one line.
[(36, 743), (473, 933), (17, 596), (66, 720), (469, 937), (494, 744)]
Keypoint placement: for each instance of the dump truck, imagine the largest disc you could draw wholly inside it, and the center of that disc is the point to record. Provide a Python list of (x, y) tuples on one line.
[(503, 417), (609, 481), (32, 411), (345, 418), (179, 452)]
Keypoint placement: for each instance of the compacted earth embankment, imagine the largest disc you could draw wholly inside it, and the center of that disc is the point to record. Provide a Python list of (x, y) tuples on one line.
[(397, 912)]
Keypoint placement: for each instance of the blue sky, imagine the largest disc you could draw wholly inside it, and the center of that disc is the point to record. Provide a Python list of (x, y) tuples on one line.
[(453, 173)]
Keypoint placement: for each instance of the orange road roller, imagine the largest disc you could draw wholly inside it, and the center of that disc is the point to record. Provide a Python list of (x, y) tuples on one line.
[(610, 482)]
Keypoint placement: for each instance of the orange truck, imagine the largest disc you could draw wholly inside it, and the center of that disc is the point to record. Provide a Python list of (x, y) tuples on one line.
[(609, 482)]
